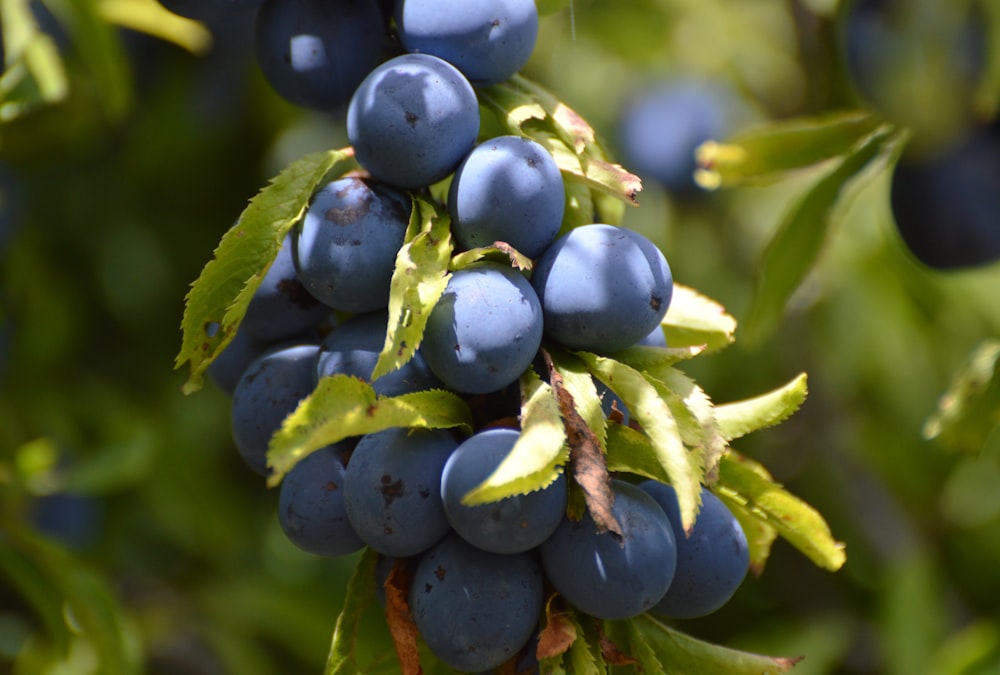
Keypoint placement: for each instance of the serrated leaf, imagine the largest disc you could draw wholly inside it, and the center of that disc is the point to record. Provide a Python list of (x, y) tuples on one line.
[(539, 452), (500, 252), (767, 153), (969, 411), (644, 401), (740, 418), (152, 18), (694, 320), (798, 523), (561, 630), (419, 278), (760, 535), (587, 465), (583, 657), (360, 596), (217, 301), (796, 246), (642, 651), (682, 654), (343, 406), (579, 383), (631, 451), (705, 436)]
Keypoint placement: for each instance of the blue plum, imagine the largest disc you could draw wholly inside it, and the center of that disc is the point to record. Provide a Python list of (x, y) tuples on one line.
[(315, 53), (507, 189), (660, 128), (412, 120), (267, 392), (282, 307), (475, 609), (602, 288), (393, 490), (352, 348), (484, 331), (606, 578), (311, 504), (947, 207), (511, 525), (488, 40), (711, 562), (345, 247)]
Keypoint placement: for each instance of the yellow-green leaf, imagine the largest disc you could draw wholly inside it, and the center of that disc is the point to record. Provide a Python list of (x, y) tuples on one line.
[(658, 422), (499, 252), (694, 320), (418, 280), (151, 17), (739, 418), (539, 453), (342, 406), (969, 411), (744, 481)]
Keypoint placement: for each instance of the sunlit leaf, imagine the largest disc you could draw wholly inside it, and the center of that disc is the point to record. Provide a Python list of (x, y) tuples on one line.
[(217, 301), (419, 278), (969, 411), (694, 320), (739, 418), (360, 596), (759, 533), (539, 452), (151, 17), (748, 483), (682, 654), (499, 252), (342, 406), (647, 407), (631, 451), (767, 153)]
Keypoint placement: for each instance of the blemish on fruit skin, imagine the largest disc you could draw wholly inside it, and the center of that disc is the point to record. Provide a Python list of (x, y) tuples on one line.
[(390, 489), (440, 572), (655, 302)]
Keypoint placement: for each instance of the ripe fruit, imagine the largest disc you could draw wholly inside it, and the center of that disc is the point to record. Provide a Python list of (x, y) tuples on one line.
[(508, 189), (605, 578), (311, 504), (353, 347), (269, 389), (947, 208), (485, 330), (488, 40), (316, 52), (412, 120), (346, 245), (711, 561), (392, 490), (602, 288), (511, 525), (475, 609)]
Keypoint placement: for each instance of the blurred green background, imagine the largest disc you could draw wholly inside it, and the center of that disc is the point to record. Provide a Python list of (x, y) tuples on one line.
[(133, 538)]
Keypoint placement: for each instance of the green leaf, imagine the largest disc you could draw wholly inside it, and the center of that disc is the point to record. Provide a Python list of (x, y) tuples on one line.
[(682, 654), (759, 533), (647, 407), (641, 650), (748, 483), (360, 596), (499, 252), (631, 451), (546, 7), (969, 411), (342, 406), (418, 280), (796, 245), (151, 17), (583, 657), (580, 385), (539, 452), (217, 301), (528, 109), (694, 320), (739, 418), (34, 73), (767, 153), (579, 207)]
